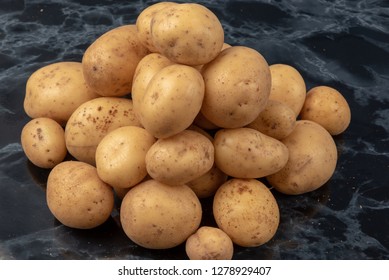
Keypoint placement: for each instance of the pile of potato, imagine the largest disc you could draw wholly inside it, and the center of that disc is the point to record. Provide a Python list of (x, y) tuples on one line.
[(203, 119)]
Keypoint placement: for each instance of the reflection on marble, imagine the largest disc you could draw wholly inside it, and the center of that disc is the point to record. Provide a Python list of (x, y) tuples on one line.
[(341, 43)]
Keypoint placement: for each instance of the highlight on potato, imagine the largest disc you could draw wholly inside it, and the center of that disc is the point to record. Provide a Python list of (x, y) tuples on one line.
[(162, 113)]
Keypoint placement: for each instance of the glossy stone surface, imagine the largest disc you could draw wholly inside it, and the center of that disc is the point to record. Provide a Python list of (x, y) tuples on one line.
[(341, 43)]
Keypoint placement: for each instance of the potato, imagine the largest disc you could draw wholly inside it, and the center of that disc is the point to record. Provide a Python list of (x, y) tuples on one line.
[(172, 100), (43, 142), (287, 86), (77, 197), (56, 90), (247, 211), (248, 153), (202, 122), (92, 121), (312, 159), (180, 158), (144, 72), (159, 216), (237, 87), (109, 63), (187, 33), (143, 24), (120, 156), (207, 184), (327, 107), (209, 243), (277, 120)]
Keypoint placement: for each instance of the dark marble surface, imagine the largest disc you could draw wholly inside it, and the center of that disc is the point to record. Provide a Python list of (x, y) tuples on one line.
[(341, 43)]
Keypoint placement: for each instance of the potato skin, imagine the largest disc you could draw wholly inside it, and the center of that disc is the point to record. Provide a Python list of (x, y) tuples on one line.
[(312, 160), (109, 63), (327, 107), (209, 243), (77, 197), (43, 142), (159, 216), (248, 153), (56, 90), (237, 87), (247, 211)]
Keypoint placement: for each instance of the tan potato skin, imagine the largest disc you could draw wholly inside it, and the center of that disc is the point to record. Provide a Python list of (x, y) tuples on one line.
[(56, 90), (248, 153), (77, 197), (159, 216), (327, 107), (237, 87), (247, 211), (43, 142), (109, 63), (312, 160), (209, 243)]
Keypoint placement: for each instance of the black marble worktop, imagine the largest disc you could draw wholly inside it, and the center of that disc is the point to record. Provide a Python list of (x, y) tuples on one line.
[(341, 43)]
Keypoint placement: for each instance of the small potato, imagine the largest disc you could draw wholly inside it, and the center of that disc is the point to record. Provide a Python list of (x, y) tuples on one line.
[(92, 121), (109, 63), (327, 107), (202, 122), (247, 211), (120, 156), (287, 86), (187, 33), (277, 120), (172, 100), (180, 158), (209, 243), (248, 153), (237, 87), (43, 142), (207, 184), (77, 197), (312, 160), (56, 90), (143, 24), (159, 216)]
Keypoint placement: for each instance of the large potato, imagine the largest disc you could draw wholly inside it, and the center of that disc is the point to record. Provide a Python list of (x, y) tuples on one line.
[(43, 142), (237, 87), (172, 100), (248, 153), (92, 121), (56, 90), (181, 158), (187, 33), (120, 156), (247, 211), (312, 159), (109, 63), (77, 197), (159, 216), (327, 107)]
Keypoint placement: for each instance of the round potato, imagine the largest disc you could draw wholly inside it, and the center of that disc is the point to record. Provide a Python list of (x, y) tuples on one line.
[(77, 197), (312, 159), (56, 90), (172, 100), (43, 142), (109, 63), (248, 153), (237, 87), (180, 158), (92, 121), (287, 86), (277, 120), (247, 211), (209, 243), (187, 33), (327, 107), (120, 156), (159, 216)]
